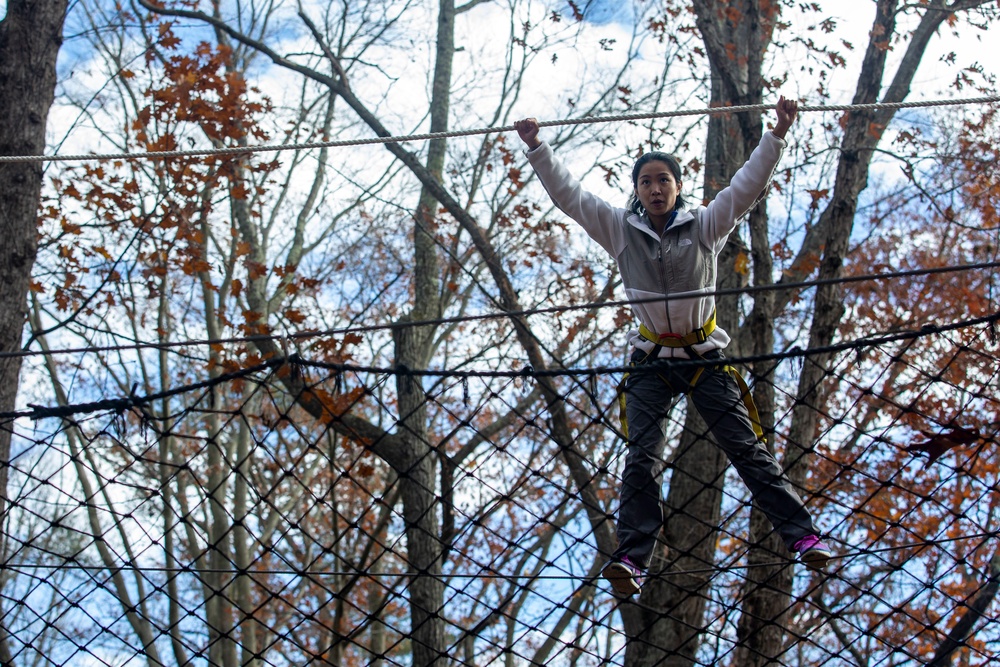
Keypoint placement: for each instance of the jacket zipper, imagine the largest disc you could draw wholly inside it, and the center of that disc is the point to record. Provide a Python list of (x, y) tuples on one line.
[(663, 284)]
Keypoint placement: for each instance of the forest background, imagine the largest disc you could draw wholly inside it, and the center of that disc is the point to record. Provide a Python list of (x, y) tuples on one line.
[(368, 393)]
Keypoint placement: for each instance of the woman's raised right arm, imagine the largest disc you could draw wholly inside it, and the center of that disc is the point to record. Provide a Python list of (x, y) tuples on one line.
[(599, 219)]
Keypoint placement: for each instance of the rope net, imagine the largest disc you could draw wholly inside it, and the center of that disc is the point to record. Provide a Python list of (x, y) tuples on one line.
[(307, 500), (234, 523)]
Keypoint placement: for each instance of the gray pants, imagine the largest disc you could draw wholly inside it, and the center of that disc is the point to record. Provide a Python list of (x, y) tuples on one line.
[(649, 396)]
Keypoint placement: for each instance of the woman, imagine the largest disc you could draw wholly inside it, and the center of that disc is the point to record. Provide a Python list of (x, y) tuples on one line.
[(665, 250)]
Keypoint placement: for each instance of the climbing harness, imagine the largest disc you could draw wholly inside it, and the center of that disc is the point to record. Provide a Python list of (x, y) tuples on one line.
[(687, 341)]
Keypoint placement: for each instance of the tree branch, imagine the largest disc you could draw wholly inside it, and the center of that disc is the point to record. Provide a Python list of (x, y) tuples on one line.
[(561, 430), (469, 5), (962, 630), (330, 55)]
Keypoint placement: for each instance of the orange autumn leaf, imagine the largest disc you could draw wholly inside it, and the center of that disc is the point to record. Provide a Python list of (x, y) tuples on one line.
[(817, 196), (333, 406), (255, 270), (876, 129), (742, 264), (938, 444)]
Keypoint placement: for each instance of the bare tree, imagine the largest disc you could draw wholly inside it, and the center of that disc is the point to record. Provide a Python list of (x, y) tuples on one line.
[(30, 37), (172, 219), (291, 459), (665, 627)]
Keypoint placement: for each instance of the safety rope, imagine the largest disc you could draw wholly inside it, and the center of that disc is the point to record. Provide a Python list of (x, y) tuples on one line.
[(587, 120), (128, 402), (300, 336), (840, 557)]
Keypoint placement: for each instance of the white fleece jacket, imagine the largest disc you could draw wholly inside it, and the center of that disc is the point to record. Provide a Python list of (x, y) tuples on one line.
[(682, 264)]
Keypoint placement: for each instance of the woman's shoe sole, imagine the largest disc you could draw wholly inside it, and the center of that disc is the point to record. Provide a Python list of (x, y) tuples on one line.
[(816, 559), (622, 579)]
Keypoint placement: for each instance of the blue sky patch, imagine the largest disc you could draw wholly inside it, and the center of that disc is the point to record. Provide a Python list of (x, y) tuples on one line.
[(599, 12)]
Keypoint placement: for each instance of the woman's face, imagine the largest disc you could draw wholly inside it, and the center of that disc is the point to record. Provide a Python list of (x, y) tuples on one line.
[(656, 189)]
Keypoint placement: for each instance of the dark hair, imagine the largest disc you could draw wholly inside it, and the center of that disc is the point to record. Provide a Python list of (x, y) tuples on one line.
[(654, 156)]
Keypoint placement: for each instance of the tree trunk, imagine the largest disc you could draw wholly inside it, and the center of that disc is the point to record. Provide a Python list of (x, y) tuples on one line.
[(865, 128), (837, 220), (665, 627), (674, 606), (974, 611), (414, 347), (673, 602), (747, 26), (30, 37), (862, 133), (767, 592), (831, 236)]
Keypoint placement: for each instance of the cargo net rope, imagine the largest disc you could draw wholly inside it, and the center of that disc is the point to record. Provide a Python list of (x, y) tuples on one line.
[(298, 512), (262, 502)]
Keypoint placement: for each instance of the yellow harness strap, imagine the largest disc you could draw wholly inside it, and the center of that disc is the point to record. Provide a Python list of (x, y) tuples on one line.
[(747, 401), (727, 368), (697, 336), (676, 340)]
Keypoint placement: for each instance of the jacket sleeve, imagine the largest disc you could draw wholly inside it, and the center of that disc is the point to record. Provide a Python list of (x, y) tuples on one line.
[(599, 219), (749, 183)]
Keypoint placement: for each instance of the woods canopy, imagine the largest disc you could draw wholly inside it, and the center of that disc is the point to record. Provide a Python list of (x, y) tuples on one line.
[(357, 405)]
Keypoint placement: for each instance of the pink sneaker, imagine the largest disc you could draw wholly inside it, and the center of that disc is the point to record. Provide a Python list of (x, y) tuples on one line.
[(625, 577), (813, 552)]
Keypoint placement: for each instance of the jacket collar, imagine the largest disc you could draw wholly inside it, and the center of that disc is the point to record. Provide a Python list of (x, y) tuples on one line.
[(642, 223)]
